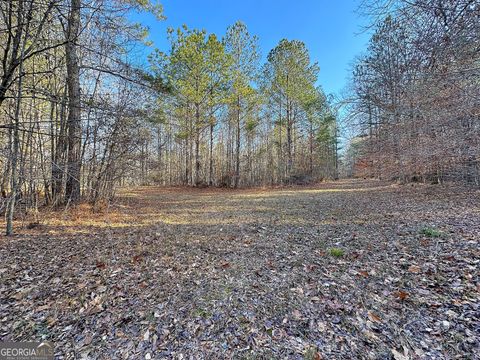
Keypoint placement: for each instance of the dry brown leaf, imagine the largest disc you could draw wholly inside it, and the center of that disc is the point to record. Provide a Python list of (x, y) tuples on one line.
[(402, 295), (51, 321), (414, 269), (19, 295), (374, 317), (88, 340), (43, 307), (399, 356), (297, 315)]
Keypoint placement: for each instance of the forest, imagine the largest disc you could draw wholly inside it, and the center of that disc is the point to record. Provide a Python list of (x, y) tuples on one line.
[(209, 199), (415, 96), (81, 117), (205, 114)]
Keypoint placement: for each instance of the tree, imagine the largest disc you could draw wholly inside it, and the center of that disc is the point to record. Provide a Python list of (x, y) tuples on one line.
[(198, 71), (243, 49), (21, 37), (74, 121), (416, 89), (292, 78), (66, 99)]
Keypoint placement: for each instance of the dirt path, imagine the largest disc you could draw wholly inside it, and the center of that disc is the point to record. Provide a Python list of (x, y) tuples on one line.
[(355, 269)]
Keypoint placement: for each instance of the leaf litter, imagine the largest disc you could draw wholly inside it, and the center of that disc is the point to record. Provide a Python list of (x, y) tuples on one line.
[(215, 274)]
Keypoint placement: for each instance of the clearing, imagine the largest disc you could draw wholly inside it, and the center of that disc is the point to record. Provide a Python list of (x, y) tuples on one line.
[(352, 269)]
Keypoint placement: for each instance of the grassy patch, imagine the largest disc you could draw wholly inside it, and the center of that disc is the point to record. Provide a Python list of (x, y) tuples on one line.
[(336, 252), (431, 232)]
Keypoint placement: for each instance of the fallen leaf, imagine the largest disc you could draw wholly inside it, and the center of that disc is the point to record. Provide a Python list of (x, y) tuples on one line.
[(297, 315), (402, 295), (20, 295), (374, 317), (43, 307), (414, 269), (321, 326), (399, 356), (51, 321), (88, 340)]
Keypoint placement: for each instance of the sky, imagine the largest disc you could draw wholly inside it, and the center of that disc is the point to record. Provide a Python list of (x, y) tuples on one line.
[(331, 29)]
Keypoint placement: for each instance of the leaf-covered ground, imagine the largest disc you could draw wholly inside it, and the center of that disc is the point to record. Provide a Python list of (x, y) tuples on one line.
[(346, 270)]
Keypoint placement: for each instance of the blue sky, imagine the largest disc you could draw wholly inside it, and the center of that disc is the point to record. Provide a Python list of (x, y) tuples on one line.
[(331, 30)]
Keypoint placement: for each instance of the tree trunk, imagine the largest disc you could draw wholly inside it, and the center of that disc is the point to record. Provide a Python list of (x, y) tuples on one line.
[(289, 141), (72, 189), (159, 152), (59, 149), (15, 150), (237, 150), (197, 145), (210, 176), (311, 148)]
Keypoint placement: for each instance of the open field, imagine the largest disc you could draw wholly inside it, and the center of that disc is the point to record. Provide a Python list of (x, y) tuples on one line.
[(345, 270)]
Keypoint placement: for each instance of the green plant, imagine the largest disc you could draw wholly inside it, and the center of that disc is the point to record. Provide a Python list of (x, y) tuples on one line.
[(199, 312), (336, 252), (312, 353), (431, 232)]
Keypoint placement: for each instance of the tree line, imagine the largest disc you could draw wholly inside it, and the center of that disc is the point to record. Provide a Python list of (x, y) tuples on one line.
[(83, 112), (229, 121), (415, 95), (68, 121)]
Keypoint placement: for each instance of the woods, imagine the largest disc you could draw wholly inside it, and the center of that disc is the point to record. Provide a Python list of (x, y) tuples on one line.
[(415, 93), (228, 121), (240, 180), (82, 116), (65, 100)]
